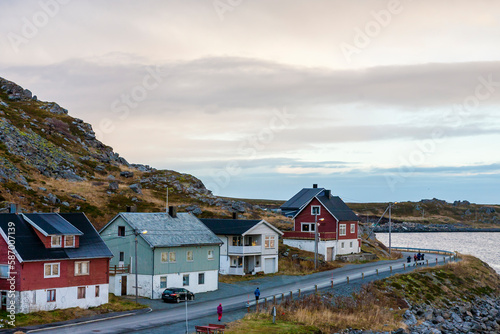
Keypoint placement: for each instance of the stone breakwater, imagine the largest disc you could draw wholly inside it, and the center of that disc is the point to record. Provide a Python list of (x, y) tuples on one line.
[(479, 316)]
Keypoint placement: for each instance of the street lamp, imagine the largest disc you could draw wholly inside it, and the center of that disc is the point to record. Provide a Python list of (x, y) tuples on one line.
[(316, 237), (136, 233), (390, 225)]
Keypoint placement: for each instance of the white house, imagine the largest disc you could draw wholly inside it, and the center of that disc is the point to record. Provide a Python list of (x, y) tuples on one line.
[(249, 246)]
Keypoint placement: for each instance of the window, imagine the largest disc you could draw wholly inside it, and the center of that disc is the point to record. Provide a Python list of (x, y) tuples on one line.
[(51, 270), (342, 229), (353, 228), (4, 271), (308, 227), (81, 268), (163, 282), (237, 241), (201, 278), (341, 245), (81, 292), (185, 280), (121, 231), (269, 241), (236, 262), (171, 256), (51, 295), (189, 256), (122, 256), (69, 241), (315, 210), (210, 254), (55, 241), (164, 257), (350, 244), (97, 290)]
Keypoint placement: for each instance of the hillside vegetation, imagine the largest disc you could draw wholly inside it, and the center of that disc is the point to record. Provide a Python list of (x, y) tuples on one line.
[(50, 160)]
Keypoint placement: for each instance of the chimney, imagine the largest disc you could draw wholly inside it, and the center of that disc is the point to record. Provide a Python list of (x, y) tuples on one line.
[(172, 211), (13, 208), (235, 215), (328, 193), (131, 209), (315, 185)]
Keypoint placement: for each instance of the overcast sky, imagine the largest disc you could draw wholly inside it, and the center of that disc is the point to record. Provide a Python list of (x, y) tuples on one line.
[(377, 100)]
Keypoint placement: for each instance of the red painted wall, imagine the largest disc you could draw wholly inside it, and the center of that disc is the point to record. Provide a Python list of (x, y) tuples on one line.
[(349, 235), (328, 225), (4, 284), (32, 277), (46, 240)]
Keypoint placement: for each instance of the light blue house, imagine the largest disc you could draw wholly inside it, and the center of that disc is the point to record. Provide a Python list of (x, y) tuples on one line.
[(173, 250)]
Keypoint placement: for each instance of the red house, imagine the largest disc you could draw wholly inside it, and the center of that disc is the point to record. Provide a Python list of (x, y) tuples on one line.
[(337, 223), (51, 261)]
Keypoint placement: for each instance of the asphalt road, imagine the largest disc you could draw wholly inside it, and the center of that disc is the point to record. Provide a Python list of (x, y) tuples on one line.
[(172, 320)]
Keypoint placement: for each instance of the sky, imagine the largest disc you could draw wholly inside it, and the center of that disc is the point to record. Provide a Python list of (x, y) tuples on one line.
[(378, 101)]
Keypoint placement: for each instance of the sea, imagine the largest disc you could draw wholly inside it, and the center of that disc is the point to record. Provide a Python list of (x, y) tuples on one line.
[(483, 245)]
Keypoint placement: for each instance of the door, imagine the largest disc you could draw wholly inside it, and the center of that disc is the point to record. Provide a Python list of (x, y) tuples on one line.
[(269, 265), (329, 253), (124, 285)]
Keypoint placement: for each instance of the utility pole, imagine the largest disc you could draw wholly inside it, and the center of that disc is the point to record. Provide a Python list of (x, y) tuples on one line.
[(315, 240), (390, 227)]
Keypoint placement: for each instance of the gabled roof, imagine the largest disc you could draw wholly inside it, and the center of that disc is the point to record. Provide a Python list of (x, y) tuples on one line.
[(30, 248), (301, 199), (165, 231), (51, 224), (333, 204), (235, 226)]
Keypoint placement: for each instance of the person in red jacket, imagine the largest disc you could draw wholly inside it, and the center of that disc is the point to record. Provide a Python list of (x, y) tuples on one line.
[(219, 311)]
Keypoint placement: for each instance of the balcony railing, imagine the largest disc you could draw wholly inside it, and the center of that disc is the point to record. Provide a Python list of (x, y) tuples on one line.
[(244, 249), (309, 235), (114, 270)]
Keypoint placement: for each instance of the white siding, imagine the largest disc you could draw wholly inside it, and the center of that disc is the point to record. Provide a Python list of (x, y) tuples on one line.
[(36, 300), (308, 245)]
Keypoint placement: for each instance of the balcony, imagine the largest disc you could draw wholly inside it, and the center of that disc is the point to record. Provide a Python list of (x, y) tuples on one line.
[(116, 270), (309, 235), (242, 250)]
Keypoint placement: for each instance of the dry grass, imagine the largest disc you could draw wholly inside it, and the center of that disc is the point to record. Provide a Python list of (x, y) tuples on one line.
[(115, 304)]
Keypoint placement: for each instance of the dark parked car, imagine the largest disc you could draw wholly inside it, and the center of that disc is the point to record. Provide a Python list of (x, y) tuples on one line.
[(176, 294)]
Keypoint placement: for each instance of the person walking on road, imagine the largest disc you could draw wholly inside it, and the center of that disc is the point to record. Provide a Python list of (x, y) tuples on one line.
[(219, 311), (257, 294)]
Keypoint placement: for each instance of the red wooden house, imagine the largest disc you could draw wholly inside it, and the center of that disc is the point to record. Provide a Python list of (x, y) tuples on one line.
[(51, 261), (337, 224)]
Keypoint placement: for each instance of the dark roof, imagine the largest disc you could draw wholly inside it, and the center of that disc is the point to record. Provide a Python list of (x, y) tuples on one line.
[(338, 208), (300, 199), (30, 247), (334, 204), (51, 224), (229, 226)]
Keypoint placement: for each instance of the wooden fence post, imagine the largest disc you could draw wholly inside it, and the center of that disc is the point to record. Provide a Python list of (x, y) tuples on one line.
[(257, 305), (404, 266), (291, 295), (316, 289), (299, 293), (377, 272), (347, 279), (362, 275), (282, 298), (390, 269), (274, 300)]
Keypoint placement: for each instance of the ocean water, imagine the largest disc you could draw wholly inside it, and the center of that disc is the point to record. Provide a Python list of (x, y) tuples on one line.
[(483, 245)]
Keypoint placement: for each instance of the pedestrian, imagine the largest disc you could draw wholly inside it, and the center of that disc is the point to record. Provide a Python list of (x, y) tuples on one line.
[(408, 259), (257, 293), (415, 258), (418, 256), (422, 257), (219, 311)]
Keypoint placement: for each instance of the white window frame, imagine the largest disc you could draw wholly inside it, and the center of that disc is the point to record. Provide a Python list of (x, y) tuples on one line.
[(79, 265), (166, 255), (312, 210), (342, 244), (201, 275), (183, 279), (342, 229), (51, 270), (166, 279), (52, 238), (270, 242), (350, 244), (353, 228), (8, 270), (170, 257), (72, 245), (187, 256), (312, 227), (210, 254), (97, 291)]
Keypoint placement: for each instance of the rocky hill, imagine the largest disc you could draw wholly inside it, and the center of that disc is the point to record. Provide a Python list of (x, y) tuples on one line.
[(50, 160)]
